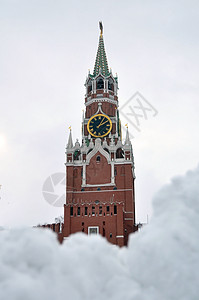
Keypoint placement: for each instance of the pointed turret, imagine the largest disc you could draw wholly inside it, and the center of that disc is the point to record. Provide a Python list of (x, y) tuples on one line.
[(127, 140), (70, 141), (101, 63)]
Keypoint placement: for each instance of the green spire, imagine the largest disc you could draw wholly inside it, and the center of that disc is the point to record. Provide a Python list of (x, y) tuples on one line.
[(101, 60)]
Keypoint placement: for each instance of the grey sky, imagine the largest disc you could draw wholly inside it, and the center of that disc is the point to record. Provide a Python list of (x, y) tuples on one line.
[(46, 50)]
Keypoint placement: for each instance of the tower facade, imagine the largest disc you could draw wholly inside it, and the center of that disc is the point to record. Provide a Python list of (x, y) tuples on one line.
[(100, 171)]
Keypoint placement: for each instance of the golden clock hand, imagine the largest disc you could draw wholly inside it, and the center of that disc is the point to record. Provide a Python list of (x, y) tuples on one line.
[(100, 122)]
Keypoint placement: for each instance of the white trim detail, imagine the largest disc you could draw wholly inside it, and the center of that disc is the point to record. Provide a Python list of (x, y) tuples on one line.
[(96, 185), (112, 191), (128, 219), (93, 227), (98, 148), (100, 100), (119, 236), (84, 174)]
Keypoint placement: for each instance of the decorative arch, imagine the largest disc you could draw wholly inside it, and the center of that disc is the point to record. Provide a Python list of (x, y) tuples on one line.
[(76, 155), (106, 150), (100, 83), (120, 153), (89, 151), (89, 86), (98, 148), (111, 84)]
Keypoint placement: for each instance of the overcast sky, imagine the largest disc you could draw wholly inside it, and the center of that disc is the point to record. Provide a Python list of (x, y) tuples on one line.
[(46, 50)]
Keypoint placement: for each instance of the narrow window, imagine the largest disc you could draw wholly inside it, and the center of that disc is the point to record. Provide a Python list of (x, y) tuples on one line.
[(110, 84), (110, 235), (100, 210), (71, 210), (98, 158), (100, 83), (78, 211), (115, 171), (86, 210), (115, 209), (89, 86), (93, 210), (119, 153), (76, 155), (108, 209)]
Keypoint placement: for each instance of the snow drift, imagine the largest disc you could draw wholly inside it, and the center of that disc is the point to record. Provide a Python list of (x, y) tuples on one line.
[(161, 261)]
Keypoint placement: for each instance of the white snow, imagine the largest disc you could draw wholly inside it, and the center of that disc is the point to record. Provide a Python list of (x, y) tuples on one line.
[(161, 262)]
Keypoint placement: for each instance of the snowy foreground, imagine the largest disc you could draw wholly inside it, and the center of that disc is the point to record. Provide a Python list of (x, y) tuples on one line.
[(161, 262)]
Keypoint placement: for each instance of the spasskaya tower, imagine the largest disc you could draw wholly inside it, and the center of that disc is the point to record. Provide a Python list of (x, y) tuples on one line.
[(100, 171)]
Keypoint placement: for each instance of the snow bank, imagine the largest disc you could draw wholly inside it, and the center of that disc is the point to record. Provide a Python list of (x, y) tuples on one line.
[(161, 262)]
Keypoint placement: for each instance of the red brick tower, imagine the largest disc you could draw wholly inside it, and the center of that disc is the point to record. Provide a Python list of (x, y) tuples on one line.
[(100, 171)]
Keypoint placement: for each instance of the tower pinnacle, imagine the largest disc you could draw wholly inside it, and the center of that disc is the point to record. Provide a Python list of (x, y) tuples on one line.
[(70, 141), (101, 28), (101, 60), (127, 140)]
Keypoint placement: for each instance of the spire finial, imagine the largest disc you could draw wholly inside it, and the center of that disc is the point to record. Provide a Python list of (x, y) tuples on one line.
[(101, 28), (70, 141)]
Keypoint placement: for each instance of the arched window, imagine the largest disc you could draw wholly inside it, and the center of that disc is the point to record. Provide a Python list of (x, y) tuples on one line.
[(110, 84), (115, 171), (100, 83), (71, 210), (119, 153), (89, 86), (76, 155), (98, 158), (86, 211), (78, 211), (93, 210)]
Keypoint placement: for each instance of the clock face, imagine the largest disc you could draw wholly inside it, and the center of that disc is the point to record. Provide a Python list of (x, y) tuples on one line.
[(99, 125)]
